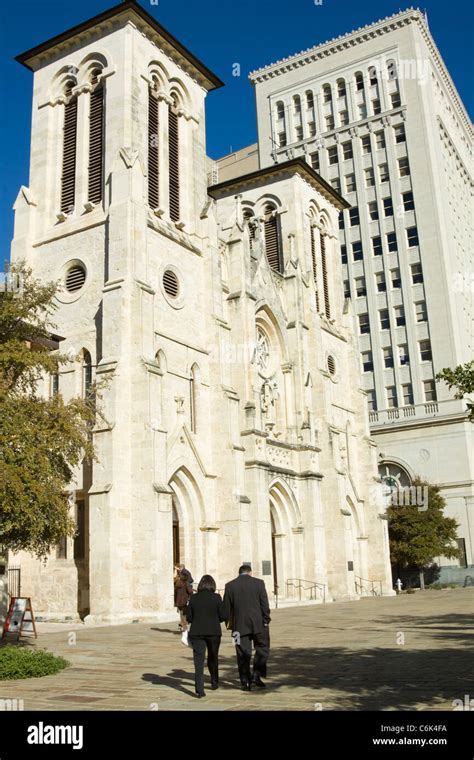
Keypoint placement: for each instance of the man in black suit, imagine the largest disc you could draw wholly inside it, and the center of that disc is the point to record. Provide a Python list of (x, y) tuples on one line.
[(248, 612)]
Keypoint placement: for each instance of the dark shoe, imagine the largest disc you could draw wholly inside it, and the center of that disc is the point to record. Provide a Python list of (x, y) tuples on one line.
[(200, 694), (257, 681), (214, 685), (246, 686)]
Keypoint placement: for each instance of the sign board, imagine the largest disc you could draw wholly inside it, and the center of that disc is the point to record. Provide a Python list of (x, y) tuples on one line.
[(20, 618), (266, 567)]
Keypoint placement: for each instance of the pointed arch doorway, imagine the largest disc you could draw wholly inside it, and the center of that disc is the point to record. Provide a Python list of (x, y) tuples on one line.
[(176, 538)]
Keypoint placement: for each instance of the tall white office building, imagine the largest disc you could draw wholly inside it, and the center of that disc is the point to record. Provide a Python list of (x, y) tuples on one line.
[(376, 113)]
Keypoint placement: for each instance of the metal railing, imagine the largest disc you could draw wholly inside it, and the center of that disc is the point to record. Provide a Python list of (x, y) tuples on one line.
[(366, 587), (14, 581), (296, 586)]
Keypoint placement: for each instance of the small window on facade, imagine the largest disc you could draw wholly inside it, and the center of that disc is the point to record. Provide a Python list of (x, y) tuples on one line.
[(347, 150), (332, 155), (377, 246), (380, 282), (357, 252), (391, 397), (416, 273), (384, 174), (343, 118), (372, 75), (399, 131), (399, 316), (329, 122), (372, 401), (367, 361), (369, 178), (384, 319), (360, 287), (412, 237), (297, 104), (341, 220), (311, 128), (387, 206), (309, 100), (359, 81), (407, 394), (403, 167), (395, 99), (429, 388), (343, 254), (364, 324), (421, 312), (346, 289), (341, 88), (392, 241), (408, 202), (388, 357), (366, 147), (376, 109), (86, 374), (354, 216), (362, 111), (327, 96), (403, 354), (396, 281), (336, 184), (331, 365), (314, 158), (281, 139), (380, 140), (298, 133), (350, 183), (373, 210)]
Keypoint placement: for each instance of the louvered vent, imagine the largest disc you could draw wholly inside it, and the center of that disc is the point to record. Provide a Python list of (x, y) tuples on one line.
[(153, 167), (96, 144), (75, 278), (331, 365), (315, 267), (327, 306), (173, 136), (68, 179), (272, 247), (170, 283), (250, 222)]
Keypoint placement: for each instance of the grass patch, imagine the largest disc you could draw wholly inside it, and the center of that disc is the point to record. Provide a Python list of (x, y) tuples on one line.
[(19, 662)]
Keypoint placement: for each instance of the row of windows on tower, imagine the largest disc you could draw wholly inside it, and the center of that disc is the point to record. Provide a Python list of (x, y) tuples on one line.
[(274, 254), (399, 319), (377, 245), (424, 349), (360, 289), (327, 100), (96, 149), (407, 399), (366, 149)]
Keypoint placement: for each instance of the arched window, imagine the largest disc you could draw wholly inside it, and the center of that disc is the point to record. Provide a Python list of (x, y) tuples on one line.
[(341, 88), (327, 94), (359, 80), (280, 124), (324, 272), (314, 262), (249, 221), (153, 146), (373, 75), (68, 178), (173, 137), (309, 100), (96, 139), (391, 70), (86, 374), (272, 238), (297, 104)]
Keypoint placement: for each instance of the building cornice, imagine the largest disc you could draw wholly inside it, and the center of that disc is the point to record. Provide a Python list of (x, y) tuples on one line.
[(358, 37)]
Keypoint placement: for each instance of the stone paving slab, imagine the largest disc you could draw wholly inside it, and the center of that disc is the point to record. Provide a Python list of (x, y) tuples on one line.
[(410, 652)]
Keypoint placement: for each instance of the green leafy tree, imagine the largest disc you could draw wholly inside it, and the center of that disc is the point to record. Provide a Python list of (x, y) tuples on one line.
[(461, 378), (419, 535), (42, 439)]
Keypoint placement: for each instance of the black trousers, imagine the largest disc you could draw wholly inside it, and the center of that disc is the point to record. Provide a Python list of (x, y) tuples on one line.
[(261, 642), (199, 645)]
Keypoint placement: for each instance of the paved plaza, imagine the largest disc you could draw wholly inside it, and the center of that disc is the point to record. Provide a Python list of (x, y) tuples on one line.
[(410, 652)]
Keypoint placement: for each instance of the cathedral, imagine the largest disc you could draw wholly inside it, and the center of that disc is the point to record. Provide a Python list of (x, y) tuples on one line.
[(233, 424)]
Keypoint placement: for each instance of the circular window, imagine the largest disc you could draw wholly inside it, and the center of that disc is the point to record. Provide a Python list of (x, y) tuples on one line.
[(75, 278), (171, 284), (331, 365)]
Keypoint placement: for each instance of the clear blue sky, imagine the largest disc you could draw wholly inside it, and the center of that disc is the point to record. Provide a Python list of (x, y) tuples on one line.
[(252, 33)]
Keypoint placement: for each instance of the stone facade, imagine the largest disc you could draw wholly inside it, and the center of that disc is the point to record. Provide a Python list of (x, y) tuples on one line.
[(376, 113), (233, 424)]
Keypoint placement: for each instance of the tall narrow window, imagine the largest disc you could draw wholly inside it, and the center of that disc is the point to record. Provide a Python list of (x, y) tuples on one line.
[(250, 222), (315, 266), (96, 141), (68, 179), (327, 306), (272, 239), (86, 374), (192, 400), (153, 149), (173, 136)]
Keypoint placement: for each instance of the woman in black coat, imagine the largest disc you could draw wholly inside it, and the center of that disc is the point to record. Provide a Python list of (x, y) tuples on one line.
[(205, 612)]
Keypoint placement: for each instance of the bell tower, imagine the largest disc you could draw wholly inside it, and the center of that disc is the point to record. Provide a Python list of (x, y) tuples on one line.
[(113, 211)]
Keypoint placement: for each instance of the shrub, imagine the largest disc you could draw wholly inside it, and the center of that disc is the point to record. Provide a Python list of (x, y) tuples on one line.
[(19, 662)]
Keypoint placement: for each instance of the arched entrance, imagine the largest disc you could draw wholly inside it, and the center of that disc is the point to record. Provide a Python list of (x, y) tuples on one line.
[(286, 537), (187, 520)]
